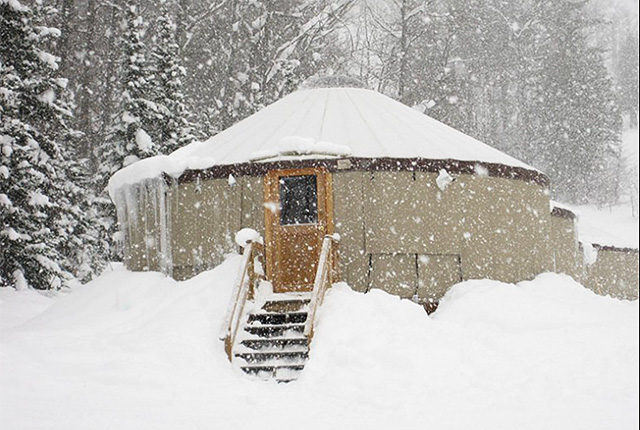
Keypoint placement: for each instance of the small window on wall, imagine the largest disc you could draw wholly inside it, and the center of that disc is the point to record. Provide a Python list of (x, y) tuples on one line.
[(298, 200)]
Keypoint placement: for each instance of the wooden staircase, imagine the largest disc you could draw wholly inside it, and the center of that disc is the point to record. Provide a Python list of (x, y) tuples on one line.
[(272, 344), (271, 340)]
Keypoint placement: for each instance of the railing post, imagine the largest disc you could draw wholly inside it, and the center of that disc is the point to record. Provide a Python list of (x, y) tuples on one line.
[(243, 288), (324, 278), (335, 261)]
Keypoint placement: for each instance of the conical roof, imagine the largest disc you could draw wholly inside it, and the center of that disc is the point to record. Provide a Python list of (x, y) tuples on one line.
[(324, 122), (368, 123)]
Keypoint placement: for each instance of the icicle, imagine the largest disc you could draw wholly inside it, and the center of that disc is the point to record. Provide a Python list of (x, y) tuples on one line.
[(150, 198), (590, 253), (131, 207), (120, 202), (164, 252), (146, 206)]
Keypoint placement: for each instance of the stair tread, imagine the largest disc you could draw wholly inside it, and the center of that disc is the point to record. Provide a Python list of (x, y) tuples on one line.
[(273, 366), (274, 354), (251, 351), (278, 313), (273, 363), (286, 306), (266, 360), (288, 300), (284, 331), (276, 344), (275, 340), (291, 326), (276, 297), (277, 373), (273, 318)]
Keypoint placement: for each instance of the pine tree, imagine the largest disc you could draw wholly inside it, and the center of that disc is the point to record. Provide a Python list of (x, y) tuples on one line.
[(628, 79), (80, 232), (128, 140), (438, 80), (579, 123), (173, 128), (31, 115)]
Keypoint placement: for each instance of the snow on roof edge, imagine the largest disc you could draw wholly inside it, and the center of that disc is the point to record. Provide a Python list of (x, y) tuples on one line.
[(154, 167)]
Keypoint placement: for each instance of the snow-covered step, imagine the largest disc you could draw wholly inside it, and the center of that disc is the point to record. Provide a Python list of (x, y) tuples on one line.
[(272, 358), (279, 373), (299, 295), (276, 318), (284, 305), (280, 330), (276, 344)]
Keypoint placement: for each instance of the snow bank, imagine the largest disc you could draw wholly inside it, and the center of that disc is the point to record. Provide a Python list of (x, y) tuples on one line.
[(535, 355), (140, 351), (16, 307)]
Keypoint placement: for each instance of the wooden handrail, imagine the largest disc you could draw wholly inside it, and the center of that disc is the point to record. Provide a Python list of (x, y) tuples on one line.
[(326, 274), (242, 290)]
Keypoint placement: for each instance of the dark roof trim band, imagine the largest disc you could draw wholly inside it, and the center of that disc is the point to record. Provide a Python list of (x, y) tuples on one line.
[(370, 164), (599, 247), (563, 213)]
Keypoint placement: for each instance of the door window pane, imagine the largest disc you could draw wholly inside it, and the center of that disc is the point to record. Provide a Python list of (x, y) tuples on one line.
[(298, 200)]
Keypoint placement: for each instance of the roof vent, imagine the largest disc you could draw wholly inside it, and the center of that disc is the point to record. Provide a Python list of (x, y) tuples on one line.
[(333, 81)]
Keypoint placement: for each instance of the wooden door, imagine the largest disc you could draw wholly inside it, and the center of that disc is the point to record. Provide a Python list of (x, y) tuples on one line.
[(298, 213)]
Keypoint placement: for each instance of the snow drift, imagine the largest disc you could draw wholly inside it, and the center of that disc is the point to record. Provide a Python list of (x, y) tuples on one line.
[(140, 351)]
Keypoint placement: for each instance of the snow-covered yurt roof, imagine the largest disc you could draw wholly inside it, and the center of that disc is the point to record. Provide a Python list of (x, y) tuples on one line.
[(324, 123)]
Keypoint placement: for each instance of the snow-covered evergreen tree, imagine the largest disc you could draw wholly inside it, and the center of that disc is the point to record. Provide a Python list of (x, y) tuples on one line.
[(128, 139), (579, 123), (80, 231), (627, 68), (31, 115), (77, 229), (173, 128)]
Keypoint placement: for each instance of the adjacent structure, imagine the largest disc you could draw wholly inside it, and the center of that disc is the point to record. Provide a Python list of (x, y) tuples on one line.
[(419, 205)]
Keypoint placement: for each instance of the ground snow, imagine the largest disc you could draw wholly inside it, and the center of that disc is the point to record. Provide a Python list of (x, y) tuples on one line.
[(16, 307), (140, 351)]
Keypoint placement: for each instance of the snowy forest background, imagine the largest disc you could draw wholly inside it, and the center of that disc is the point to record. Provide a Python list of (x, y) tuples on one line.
[(90, 86)]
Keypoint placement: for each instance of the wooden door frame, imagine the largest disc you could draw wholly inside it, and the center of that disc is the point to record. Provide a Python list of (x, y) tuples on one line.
[(272, 196)]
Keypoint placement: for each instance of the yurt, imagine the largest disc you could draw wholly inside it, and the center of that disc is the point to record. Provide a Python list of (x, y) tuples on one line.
[(418, 206)]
